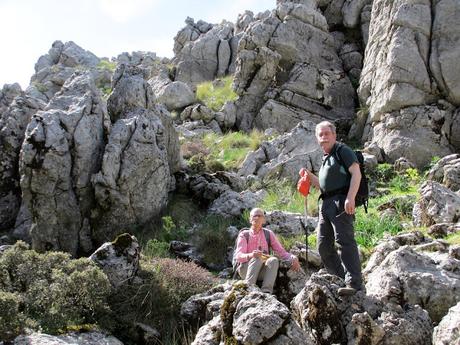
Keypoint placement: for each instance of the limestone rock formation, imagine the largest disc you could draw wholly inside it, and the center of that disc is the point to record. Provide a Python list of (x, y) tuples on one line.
[(282, 78), (118, 259), (331, 319), (410, 65), (62, 60), (437, 204), (173, 94), (406, 276), (447, 331), (134, 180), (250, 316), (285, 155), (203, 51), (74, 338), (63, 147), (13, 123), (447, 172)]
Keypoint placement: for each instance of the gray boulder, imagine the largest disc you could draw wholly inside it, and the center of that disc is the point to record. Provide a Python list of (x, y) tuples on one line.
[(437, 204), (118, 259), (203, 53), (250, 316), (351, 12), (357, 319), (233, 204), (283, 156), (62, 60), (63, 147), (134, 180), (173, 94), (406, 276), (447, 331), (73, 338), (7, 94), (130, 91), (447, 172), (413, 133), (282, 78)]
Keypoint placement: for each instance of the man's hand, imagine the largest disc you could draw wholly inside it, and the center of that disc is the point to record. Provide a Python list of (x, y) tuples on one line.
[(257, 253), (349, 206), (295, 263)]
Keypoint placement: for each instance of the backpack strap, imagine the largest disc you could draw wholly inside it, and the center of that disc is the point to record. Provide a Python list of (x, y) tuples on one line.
[(268, 239)]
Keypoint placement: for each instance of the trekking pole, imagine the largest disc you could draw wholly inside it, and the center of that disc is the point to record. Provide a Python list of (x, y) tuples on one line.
[(303, 186)]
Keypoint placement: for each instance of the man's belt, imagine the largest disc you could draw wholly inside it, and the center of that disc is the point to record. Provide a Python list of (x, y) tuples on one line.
[(340, 191)]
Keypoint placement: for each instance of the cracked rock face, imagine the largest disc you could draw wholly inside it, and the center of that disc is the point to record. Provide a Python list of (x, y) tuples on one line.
[(406, 276), (411, 60), (204, 51), (447, 331), (284, 156), (62, 148), (133, 183), (283, 78)]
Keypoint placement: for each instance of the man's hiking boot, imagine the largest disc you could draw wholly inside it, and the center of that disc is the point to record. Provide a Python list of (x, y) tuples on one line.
[(346, 291)]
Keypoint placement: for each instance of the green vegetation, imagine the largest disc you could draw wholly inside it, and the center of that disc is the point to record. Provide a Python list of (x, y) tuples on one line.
[(454, 239), (155, 299), (107, 65), (283, 195), (216, 153), (214, 94), (48, 292)]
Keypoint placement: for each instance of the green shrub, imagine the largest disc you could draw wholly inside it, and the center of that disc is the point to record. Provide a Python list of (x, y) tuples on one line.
[(54, 291), (290, 241), (213, 239), (155, 299), (215, 94), (156, 249), (11, 320), (107, 65)]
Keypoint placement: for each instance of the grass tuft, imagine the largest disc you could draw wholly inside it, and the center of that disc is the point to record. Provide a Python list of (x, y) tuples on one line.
[(214, 94)]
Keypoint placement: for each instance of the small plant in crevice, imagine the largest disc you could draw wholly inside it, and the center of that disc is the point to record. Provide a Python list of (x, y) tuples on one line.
[(214, 94)]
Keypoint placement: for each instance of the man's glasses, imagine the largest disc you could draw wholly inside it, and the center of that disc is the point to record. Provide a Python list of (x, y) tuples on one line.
[(257, 215)]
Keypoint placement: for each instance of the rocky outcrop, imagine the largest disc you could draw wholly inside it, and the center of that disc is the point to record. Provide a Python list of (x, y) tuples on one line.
[(90, 338), (173, 94), (447, 331), (203, 51), (282, 78), (437, 204), (62, 148), (7, 94), (285, 155), (358, 319), (134, 180), (62, 60), (250, 316), (13, 123), (406, 276), (447, 172), (233, 204), (418, 42), (118, 259), (132, 93), (400, 133)]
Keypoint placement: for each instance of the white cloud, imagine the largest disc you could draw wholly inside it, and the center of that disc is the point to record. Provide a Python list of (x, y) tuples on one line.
[(122, 11)]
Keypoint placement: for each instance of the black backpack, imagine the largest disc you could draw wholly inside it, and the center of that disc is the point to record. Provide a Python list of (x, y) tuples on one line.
[(362, 196), (245, 232)]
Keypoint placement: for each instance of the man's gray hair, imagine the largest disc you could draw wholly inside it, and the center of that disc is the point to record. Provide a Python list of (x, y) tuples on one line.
[(256, 210), (325, 124)]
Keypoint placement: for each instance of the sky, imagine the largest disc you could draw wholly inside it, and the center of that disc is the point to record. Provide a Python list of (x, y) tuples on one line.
[(105, 27)]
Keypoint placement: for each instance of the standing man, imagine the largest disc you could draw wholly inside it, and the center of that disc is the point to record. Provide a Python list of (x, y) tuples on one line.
[(338, 184), (252, 251)]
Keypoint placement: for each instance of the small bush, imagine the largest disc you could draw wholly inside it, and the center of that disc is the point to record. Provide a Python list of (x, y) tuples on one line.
[(11, 320), (53, 290), (383, 173), (107, 65), (213, 239), (156, 249), (215, 94)]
